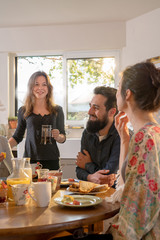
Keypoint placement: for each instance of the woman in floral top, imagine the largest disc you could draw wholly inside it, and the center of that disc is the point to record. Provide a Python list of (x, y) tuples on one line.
[(138, 97)]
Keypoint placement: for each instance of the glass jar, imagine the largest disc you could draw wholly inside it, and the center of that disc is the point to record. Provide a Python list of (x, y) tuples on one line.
[(46, 134), (53, 179), (18, 176), (58, 174), (28, 168), (42, 174)]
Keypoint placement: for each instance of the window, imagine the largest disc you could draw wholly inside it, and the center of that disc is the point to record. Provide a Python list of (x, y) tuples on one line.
[(26, 66), (83, 75), (73, 76)]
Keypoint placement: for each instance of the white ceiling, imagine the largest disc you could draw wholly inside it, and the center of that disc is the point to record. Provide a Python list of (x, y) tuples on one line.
[(19, 13)]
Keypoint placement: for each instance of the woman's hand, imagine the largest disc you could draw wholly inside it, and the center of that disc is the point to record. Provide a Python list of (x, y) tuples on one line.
[(121, 121), (55, 134)]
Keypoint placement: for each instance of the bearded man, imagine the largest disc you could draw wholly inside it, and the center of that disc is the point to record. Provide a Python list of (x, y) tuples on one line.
[(98, 160)]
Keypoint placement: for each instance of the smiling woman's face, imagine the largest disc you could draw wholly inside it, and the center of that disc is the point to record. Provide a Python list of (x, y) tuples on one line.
[(40, 89)]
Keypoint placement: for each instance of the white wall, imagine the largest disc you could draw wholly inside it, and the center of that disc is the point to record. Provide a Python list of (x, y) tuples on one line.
[(142, 38), (98, 36)]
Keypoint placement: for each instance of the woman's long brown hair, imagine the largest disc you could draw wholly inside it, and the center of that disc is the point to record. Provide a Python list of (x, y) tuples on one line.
[(30, 98)]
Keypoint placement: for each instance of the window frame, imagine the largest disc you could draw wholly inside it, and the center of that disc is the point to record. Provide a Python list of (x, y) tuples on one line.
[(87, 54), (66, 56)]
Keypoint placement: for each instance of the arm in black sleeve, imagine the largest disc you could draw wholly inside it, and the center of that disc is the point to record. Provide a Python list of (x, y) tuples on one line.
[(82, 173), (60, 121), (21, 127), (113, 163)]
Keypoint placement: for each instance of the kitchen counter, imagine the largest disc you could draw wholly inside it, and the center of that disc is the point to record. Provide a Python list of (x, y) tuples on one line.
[(69, 149)]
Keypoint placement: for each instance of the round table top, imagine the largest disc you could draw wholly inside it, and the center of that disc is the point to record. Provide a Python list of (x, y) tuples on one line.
[(34, 222)]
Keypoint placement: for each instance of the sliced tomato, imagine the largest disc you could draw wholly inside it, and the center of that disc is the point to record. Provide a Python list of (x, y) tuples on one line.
[(70, 179), (75, 202)]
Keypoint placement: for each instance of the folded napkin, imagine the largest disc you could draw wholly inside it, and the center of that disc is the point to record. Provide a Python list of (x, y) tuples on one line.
[(116, 196)]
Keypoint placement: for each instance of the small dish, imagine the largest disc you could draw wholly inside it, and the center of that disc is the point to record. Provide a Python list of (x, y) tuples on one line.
[(84, 201)]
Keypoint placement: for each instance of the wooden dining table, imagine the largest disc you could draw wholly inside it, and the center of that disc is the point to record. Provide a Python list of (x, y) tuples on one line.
[(31, 222)]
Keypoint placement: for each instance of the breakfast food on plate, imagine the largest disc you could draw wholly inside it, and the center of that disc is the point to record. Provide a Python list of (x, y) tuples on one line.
[(67, 199), (101, 188), (87, 187), (74, 187), (71, 180)]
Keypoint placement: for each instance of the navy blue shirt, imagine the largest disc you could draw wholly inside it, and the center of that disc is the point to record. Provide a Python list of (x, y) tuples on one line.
[(104, 154)]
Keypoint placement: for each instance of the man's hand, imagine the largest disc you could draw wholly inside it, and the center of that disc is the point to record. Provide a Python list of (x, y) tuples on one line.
[(82, 159), (100, 177)]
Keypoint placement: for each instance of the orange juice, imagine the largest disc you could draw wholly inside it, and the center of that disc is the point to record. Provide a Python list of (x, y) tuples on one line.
[(13, 181)]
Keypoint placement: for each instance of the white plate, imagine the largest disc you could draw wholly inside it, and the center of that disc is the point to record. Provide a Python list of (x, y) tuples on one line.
[(90, 193), (85, 201)]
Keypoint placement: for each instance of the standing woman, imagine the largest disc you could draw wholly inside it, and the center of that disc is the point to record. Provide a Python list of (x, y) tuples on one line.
[(39, 109)]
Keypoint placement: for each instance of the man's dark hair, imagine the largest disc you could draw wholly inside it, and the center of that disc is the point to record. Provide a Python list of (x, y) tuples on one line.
[(110, 94)]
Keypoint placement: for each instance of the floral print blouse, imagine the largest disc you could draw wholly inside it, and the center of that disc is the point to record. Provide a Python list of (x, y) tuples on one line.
[(139, 216)]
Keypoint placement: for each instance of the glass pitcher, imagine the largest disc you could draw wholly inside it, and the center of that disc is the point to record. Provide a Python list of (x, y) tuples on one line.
[(28, 168), (18, 176), (46, 134)]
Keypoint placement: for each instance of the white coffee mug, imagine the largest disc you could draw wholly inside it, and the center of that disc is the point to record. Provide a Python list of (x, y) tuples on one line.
[(42, 193), (20, 193)]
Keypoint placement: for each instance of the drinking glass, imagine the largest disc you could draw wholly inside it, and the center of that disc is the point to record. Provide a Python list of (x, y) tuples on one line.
[(58, 174), (54, 180), (42, 174)]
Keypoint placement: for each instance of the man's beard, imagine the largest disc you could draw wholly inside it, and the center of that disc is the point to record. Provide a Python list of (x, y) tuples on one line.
[(97, 125)]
